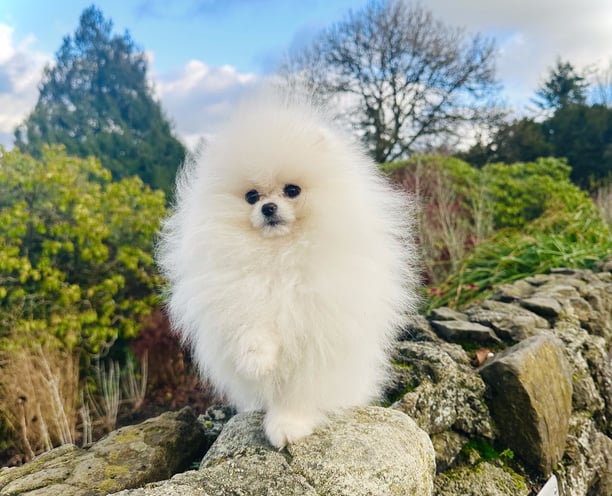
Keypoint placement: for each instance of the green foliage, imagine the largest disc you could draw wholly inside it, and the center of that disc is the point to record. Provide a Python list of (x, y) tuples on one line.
[(522, 140), (521, 192), (485, 451), (578, 132), (461, 171), (76, 265), (563, 87), (583, 134), (482, 227), (563, 236), (96, 101), (454, 213)]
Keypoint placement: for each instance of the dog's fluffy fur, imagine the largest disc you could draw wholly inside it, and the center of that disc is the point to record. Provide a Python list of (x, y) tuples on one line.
[(293, 312)]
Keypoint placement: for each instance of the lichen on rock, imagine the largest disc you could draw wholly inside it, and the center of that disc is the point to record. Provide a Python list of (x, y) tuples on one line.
[(363, 451), (530, 396), (128, 457)]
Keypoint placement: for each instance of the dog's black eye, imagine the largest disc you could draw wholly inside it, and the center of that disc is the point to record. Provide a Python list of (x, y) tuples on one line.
[(291, 190), (252, 196)]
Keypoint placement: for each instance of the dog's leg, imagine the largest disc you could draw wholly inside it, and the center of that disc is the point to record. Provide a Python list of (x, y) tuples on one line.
[(258, 354), (284, 426)]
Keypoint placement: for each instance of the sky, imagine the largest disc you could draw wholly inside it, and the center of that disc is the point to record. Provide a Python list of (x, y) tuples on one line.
[(203, 53)]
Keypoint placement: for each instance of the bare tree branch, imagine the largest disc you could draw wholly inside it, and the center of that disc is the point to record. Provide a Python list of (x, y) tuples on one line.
[(410, 81), (603, 86)]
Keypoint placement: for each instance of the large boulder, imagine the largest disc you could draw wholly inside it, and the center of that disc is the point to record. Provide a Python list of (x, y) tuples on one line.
[(443, 395), (530, 397), (127, 457), (364, 451)]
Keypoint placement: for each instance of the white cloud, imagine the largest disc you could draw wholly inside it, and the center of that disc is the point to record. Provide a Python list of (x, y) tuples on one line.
[(194, 97), (197, 96), (531, 34), (20, 72)]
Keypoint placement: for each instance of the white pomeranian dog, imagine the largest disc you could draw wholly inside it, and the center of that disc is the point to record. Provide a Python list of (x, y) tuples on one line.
[(291, 265)]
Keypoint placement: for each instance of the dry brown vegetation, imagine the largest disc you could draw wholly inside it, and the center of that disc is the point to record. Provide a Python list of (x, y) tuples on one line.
[(39, 397), (603, 200)]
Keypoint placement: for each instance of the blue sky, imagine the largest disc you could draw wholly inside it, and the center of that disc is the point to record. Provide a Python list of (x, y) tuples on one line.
[(243, 33), (203, 52)]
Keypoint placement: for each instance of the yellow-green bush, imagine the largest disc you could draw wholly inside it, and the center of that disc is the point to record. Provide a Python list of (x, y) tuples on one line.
[(481, 227), (562, 236), (522, 192), (76, 273), (76, 264)]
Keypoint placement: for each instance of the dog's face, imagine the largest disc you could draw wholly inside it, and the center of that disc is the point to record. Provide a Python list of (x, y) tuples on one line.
[(274, 210), (277, 177)]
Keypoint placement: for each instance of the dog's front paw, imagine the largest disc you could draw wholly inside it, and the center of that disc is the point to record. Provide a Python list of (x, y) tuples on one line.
[(257, 359), (283, 428)]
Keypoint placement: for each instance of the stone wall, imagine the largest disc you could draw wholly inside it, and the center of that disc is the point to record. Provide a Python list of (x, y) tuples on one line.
[(531, 396)]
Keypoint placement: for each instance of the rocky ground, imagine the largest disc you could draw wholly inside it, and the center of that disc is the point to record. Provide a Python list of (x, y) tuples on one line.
[(501, 395)]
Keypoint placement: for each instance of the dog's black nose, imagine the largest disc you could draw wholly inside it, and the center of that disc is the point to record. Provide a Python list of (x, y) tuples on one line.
[(268, 209)]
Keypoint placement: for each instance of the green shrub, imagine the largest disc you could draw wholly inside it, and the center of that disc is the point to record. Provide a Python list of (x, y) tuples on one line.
[(503, 222), (522, 192), (454, 214), (562, 237), (76, 264), (419, 175)]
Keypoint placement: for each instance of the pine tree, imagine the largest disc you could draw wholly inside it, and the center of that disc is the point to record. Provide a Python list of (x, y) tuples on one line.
[(564, 86), (96, 101)]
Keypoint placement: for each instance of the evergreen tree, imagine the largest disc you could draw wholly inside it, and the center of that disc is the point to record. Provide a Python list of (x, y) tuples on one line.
[(96, 101), (583, 135), (580, 133), (564, 86), (522, 140)]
